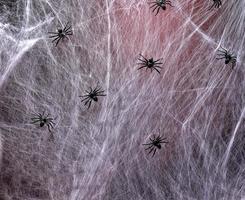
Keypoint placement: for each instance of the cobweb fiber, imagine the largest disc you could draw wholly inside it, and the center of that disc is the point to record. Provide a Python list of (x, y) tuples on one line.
[(197, 102)]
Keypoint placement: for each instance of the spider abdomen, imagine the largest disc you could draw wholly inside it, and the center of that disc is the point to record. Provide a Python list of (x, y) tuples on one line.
[(95, 98), (227, 59)]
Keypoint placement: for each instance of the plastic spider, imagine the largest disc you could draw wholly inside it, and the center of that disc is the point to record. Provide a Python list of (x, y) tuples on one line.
[(155, 143), (158, 4), (227, 55), (92, 95), (216, 4), (60, 34), (43, 120), (149, 63)]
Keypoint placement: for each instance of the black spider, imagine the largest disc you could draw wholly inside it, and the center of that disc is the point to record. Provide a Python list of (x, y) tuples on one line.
[(216, 4), (158, 4), (227, 55), (149, 63), (43, 120), (92, 95), (61, 34), (155, 143)]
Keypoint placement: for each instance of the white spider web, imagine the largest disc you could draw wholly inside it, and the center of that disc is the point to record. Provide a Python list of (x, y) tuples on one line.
[(197, 102)]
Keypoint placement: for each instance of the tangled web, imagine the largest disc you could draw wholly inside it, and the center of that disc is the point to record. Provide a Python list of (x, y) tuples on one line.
[(197, 102)]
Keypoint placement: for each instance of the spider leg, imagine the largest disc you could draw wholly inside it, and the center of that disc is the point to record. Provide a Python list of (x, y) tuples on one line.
[(162, 142), (147, 144), (85, 99), (158, 8), (53, 36), (143, 63), (157, 70), (149, 147), (68, 30), (100, 91), (151, 150), (155, 5), (84, 95), (141, 67), (50, 124), (34, 118), (50, 120), (65, 36), (65, 28), (221, 54), (162, 139), (154, 152), (89, 104), (217, 5), (211, 7), (97, 89), (157, 60), (35, 121), (223, 50), (48, 127), (154, 2), (169, 3), (55, 39), (158, 137), (220, 58), (143, 57), (57, 42), (157, 67), (157, 63), (53, 33), (100, 94)]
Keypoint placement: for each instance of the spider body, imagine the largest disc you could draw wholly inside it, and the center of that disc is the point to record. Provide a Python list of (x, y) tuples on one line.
[(92, 95), (155, 144), (227, 56), (43, 120), (159, 4), (149, 64), (61, 34), (216, 4)]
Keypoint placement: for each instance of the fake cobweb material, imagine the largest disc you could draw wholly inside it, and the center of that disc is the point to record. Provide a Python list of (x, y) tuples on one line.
[(197, 102)]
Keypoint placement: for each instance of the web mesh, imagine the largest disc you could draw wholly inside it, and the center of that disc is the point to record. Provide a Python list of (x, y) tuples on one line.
[(196, 102)]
